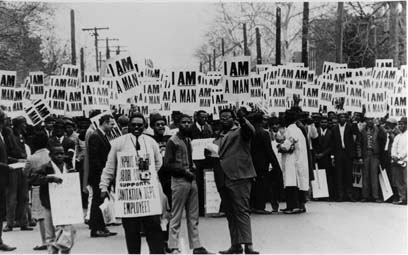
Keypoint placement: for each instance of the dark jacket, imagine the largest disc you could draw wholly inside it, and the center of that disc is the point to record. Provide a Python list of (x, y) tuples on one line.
[(4, 168), (262, 153), (234, 149), (379, 140), (15, 146), (198, 134), (350, 144), (322, 145), (39, 177), (98, 150), (178, 157), (69, 148)]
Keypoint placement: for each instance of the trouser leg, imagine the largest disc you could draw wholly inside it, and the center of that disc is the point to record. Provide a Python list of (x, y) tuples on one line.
[(240, 192), (339, 175), (11, 197), (49, 231), (180, 189), (132, 234), (226, 202), (42, 231), (366, 178), (192, 217), (374, 169), (96, 221), (22, 200), (154, 235), (291, 197)]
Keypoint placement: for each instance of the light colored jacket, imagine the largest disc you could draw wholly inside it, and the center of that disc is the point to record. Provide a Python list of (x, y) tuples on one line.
[(126, 143)]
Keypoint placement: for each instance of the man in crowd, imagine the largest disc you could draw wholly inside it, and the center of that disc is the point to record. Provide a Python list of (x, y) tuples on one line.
[(322, 151), (234, 176), (4, 177), (98, 150), (59, 137), (201, 130), (49, 123), (178, 160), (295, 168), (399, 162), (17, 192), (262, 156), (344, 150), (373, 141), (147, 149)]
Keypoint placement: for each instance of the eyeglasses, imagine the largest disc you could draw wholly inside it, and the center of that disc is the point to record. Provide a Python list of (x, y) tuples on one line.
[(226, 117), (160, 124)]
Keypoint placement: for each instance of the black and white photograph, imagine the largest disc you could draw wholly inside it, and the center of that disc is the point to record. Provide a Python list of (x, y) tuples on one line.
[(203, 127)]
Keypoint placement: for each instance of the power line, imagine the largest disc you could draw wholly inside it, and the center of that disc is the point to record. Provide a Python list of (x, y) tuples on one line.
[(95, 34)]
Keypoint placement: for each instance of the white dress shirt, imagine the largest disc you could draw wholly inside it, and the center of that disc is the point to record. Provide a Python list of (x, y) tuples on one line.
[(399, 147), (342, 128)]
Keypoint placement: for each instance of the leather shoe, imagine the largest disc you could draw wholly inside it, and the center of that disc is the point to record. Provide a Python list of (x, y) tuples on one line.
[(250, 251), (7, 228), (201, 250), (286, 209), (233, 250), (99, 233), (261, 212), (26, 229), (5, 247)]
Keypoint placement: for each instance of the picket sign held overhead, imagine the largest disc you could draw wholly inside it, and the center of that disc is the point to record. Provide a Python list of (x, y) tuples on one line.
[(36, 85), (125, 77), (310, 101), (114, 133), (36, 112), (184, 96), (384, 63), (7, 87), (398, 100)]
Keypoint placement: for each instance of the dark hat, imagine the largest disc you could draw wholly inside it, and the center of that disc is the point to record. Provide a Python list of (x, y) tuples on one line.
[(18, 121), (403, 119), (391, 121), (155, 117), (59, 123), (69, 122), (49, 119)]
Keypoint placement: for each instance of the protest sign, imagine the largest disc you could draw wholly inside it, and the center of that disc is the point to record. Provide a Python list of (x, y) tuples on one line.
[(384, 184), (354, 97), (375, 92), (310, 96), (262, 68), (330, 66), (114, 133), (358, 175), (36, 82), (125, 77), (36, 112), (151, 89), (70, 71), (134, 196), (255, 88), (17, 108), (385, 78), (7, 86), (398, 102), (384, 63), (338, 76), (235, 79), (65, 200), (184, 96), (274, 96), (74, 103), (293, 78), (198, 146), (236, 66), (165, 95), (326, 90), (56, 94), (212, 197)]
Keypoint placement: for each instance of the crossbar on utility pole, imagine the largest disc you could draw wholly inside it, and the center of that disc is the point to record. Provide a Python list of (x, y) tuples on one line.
[(107, 45), (95, 34)]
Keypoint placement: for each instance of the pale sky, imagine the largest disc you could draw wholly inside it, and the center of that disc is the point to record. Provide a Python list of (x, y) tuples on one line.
[(168, 33)]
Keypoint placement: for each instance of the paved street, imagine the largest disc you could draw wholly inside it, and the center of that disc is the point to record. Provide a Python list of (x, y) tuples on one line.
[(325, 228)]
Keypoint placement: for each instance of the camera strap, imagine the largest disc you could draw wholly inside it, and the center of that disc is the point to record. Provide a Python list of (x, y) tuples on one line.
[(135, 146)]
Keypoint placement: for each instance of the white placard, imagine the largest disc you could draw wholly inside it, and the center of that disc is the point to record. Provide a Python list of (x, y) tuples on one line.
[(198, 146), (65, 200), (212, 197), (135, 197)]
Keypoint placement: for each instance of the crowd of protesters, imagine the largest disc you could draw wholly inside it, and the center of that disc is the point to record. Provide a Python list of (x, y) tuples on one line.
[(259, 159)]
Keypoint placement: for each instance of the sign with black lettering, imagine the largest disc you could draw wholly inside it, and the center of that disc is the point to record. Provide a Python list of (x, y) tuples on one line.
[(385, 78), (326, 90), (204, 96), (236, 66), (165, 95), (375, 96), (125, 77), (17, 108), (354, 95), (398, 104), (36, 112), (310, 96), (56, 94), (357, 176), (235, 80), (152, 92), (262, 68), (293, 78), (36, 80), (74, 103), (135, 195), (7, 86), (274, 92), (384, 63), (255, 88), (111, 135), (330, 66), (212, 197), (184, 96)]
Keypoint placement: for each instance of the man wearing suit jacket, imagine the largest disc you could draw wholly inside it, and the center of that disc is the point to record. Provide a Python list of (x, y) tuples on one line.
[(234, 178), (262, 156), (201, 130), (322, 150), (59, 137), (4, 176), (344, 149), (98, 150)]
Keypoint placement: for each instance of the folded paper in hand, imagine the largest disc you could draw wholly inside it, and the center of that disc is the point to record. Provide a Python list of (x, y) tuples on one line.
[(213, 148)]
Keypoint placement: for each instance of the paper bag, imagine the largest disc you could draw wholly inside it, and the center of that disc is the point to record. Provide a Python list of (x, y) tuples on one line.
[(319, 184), (385, 184)]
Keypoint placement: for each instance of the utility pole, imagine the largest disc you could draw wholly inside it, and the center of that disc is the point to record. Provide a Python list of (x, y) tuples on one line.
[(95, 34), (73, 50), (201, 67), (339, 33), (222, 47), (394, 33), (100, 60), (209, 62), (246, 53), (258, 47), (278, 36), (118, 49), (214, 62), (305, 31), (107, 45), (82, 63)]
